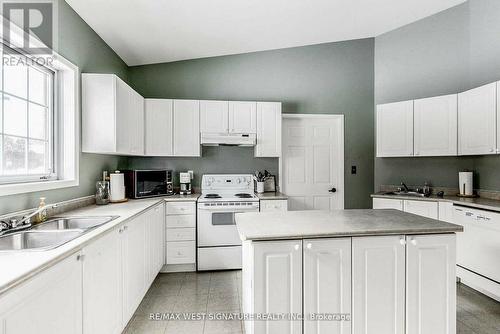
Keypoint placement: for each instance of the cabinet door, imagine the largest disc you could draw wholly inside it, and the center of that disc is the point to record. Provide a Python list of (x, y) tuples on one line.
[(242, 117), (395, 129), (156, 240), (445, 211), (387, 203), (278, 285), (186, 128), (214, 116), (273, 205), (134, 265), (102, 286), (431, 287), (436, 126), (158, 127), (422, 208), (123, 115), (268, 129), (48, 303), (477, 121), (378, 295), (137, 123), (327, 284)]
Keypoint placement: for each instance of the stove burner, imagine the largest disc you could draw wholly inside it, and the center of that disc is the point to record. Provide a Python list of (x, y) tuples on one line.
[(213, 196), (243, 195)]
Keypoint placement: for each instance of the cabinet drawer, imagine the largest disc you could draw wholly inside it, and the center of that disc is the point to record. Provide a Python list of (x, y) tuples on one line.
[(181, 221), (181, 208), (180, 234), (273, 205), (180, 252)]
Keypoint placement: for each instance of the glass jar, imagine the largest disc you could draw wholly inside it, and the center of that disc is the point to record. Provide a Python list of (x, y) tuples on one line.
[(102, 193)]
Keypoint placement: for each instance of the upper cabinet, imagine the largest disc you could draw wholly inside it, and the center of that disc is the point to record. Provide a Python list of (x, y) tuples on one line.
[(214, 116), (268, 129), (112, 116), (186, 131), (158, 127), (435, 126), (242, 117), (477, 123), (395, 129)]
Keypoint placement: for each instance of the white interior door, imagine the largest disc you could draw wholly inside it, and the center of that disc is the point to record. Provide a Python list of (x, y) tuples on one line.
[(313, 161)]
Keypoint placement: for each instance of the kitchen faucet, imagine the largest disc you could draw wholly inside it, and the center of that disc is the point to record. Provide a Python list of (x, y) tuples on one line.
[(15, 225)]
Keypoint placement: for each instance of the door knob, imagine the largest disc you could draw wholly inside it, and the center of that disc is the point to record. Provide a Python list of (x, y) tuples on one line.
[(333, 190)]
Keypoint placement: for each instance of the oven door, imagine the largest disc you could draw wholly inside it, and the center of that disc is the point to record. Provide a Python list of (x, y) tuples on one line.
[(218, 227)]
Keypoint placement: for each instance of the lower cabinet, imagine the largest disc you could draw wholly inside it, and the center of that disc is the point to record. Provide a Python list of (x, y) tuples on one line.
[(278, 285), (427, 209), (327, 284), (381, 284), (103, 286), (387, 203), (49, 303), (274, 205), (378, 295)]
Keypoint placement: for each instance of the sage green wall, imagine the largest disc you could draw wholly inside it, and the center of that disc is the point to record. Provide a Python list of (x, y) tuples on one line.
[(332, 78), (446, 53), (81, 45)]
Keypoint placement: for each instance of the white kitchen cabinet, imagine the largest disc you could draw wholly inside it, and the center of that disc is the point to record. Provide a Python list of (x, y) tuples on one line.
[(186, 131), (50, 302), (430, 284), (273, 205), (327, 284), (112, 116), (378, 294), (477, 121), (277, 285), (134, 264), (435, 126), (395, 129), (422, 208), (102, 286), (387, 203), (242, 117), (268, 130), (445, 211), (155, 241), (214, 116), (158, 127), (498, 117), (180, 250)]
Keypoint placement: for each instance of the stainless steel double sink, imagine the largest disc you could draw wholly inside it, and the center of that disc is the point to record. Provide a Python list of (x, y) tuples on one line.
[(52, 233)]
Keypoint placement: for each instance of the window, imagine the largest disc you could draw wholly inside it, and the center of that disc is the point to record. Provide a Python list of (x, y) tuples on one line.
[(27, 136)]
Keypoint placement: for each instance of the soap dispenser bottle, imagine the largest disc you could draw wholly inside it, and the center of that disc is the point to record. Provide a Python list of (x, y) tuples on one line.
[(42, 216)]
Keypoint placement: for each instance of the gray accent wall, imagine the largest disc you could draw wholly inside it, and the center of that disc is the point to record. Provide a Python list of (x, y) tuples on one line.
[(81, 45), (332, 78), (446, 53)]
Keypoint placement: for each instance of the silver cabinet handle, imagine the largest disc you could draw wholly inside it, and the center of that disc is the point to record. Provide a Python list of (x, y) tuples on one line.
[(296, 247), (309, 245), (413, 242)]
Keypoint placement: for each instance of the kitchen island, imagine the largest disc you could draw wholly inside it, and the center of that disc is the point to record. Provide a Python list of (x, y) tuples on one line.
[(347, 271)]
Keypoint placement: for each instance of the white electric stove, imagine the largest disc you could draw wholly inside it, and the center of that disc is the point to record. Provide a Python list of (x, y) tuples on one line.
[(219, 245)]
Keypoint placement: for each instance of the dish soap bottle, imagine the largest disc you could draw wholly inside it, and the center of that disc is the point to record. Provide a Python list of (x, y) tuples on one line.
[(42, 215)]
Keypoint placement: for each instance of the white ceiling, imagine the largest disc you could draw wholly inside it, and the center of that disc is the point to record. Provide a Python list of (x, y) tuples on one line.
[(155, 31)]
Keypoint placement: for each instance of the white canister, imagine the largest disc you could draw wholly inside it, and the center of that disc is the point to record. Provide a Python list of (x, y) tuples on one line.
[(117, 186), (465, 183), (260, 187)]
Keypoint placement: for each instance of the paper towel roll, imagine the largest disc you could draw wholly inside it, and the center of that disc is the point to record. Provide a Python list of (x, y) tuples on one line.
[(117, 186), (465, 182)]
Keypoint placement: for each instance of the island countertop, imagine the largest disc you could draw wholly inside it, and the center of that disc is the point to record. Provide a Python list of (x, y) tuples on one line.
[(322, 224)]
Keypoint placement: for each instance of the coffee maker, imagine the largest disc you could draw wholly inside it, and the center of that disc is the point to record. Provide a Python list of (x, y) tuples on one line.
[(185, 182)]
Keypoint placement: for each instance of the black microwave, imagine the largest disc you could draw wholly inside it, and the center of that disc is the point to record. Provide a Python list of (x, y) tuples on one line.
[(148, 183)]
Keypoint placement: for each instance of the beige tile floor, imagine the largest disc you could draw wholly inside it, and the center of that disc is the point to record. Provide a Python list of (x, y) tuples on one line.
[(214, 292)]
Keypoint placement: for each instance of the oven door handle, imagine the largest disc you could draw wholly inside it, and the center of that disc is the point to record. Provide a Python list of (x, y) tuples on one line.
[(226, 209)]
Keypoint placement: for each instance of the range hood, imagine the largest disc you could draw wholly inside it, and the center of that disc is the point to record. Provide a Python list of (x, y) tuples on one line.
[(228, 139)]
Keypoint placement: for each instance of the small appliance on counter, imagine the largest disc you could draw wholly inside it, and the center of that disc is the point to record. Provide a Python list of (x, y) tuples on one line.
[(185, 182), (117, 187), (148, 183)]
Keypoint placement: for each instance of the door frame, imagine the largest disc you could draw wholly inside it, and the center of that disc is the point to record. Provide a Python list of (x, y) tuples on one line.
[(341, 137)]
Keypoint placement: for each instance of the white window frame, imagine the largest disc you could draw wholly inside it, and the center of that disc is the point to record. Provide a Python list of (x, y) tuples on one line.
[(66, 129)]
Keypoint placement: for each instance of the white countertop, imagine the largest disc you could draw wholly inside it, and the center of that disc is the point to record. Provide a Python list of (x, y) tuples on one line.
[(321, 224), (18, 266)]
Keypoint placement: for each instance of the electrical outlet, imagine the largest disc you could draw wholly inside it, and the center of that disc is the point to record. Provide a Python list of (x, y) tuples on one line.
[(353, 170)]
